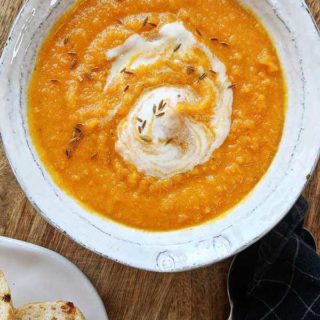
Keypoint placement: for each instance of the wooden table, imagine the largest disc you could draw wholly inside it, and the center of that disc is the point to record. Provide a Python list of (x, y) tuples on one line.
[(128, 293)]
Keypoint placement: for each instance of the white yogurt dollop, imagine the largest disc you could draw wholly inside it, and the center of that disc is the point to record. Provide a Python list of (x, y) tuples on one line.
[(155, 136)]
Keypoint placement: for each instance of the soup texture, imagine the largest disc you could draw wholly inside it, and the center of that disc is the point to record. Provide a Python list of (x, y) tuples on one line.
[(157, 114)]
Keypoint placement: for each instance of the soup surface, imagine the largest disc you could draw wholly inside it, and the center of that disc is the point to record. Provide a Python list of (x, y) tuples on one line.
[(157, 114)]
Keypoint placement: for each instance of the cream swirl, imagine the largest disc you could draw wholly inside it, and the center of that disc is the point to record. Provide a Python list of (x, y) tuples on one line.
[(163, 135)]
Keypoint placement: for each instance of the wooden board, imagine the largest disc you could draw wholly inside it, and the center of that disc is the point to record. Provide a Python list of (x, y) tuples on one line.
[(128, 293)]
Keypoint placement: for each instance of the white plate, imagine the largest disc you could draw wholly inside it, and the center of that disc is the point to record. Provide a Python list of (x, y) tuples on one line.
[(297, 41), (36, 274)]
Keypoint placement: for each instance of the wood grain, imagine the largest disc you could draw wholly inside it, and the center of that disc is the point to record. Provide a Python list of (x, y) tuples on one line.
[(128, 293)]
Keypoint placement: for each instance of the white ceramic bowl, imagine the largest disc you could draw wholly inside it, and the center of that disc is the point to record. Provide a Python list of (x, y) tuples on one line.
[(297, 40)]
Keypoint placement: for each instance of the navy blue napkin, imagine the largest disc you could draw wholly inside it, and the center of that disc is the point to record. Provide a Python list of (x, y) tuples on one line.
[(278, 278)]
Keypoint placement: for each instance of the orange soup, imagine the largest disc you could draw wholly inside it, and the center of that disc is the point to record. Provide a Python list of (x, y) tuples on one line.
[(157, 114)]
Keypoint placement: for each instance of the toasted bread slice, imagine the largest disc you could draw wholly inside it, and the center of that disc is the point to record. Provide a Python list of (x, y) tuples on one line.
[(59, 310), (6, 309)]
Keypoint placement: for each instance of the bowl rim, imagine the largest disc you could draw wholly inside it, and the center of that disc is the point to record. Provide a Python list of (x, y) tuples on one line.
[(112, 257)]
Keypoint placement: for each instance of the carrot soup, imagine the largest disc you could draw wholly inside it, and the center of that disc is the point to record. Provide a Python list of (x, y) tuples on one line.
[(157, 114)]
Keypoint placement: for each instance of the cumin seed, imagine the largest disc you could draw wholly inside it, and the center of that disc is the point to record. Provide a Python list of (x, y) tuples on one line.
[(72, 53), (94, 155), (169, 141), (73, 63), (75, 139), (152, 24), (54, 80), (160, 114), (162, 105), (145, 139), (199, 32), (95, 69), (143, 124), (78, 127), (128, 72), (126, 88), (77, 133), (65, 40), (140, 120), (88, 75), (139, 129), (119, 21), (203, 76), (68, 153), (232, 86), (145, 21), (225, 44), (177, 47), (154, 109), (190, 70)]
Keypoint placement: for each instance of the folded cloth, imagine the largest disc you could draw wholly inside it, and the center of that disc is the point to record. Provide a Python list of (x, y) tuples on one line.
[(278, 277)]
